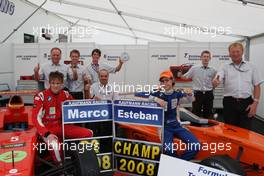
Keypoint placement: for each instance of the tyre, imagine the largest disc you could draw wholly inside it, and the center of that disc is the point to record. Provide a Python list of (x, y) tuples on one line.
[(85, 163), (225, 163)]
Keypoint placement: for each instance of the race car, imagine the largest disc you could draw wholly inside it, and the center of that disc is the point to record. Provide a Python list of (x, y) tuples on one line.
[(223, 146), (19, 147)]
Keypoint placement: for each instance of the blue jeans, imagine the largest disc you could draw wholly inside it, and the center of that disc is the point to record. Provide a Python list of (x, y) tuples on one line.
[(174, 129)]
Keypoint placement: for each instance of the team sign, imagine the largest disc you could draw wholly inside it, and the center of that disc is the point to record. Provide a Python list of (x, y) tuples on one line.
[(175, 166), (138, 112), (138, 150), (83, 111)]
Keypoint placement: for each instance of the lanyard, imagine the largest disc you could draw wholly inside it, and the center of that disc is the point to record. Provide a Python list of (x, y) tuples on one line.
[(239, 67)]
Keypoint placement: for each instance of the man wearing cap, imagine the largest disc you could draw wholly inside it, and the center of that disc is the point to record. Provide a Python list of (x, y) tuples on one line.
[(202, 76), (170, 99), (241, 82)]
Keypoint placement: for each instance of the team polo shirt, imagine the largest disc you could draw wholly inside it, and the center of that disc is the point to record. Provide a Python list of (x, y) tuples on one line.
[(172, 101)]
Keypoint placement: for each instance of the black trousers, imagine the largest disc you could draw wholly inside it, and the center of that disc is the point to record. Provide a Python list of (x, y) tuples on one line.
[(77, 95), (235, 111), (203, 104)]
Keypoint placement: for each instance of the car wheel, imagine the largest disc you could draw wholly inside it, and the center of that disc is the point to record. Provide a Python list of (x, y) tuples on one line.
[(85, 163), (225, 163)]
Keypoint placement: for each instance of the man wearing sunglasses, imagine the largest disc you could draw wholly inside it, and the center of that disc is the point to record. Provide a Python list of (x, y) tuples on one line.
[(241, 82)]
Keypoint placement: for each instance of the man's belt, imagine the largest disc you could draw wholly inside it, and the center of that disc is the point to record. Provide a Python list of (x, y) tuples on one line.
[(203, 91), (239, 99)]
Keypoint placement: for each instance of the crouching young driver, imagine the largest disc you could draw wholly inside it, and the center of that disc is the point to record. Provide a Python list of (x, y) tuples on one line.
[(47, 116), (170, 99)]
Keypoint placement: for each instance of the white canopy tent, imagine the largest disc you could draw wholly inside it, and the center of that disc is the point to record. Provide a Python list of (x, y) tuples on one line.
[(130, 22), (167, 20)]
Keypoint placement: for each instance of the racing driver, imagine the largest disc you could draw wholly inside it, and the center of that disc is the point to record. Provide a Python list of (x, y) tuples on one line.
[(47, 116), (170, 100)]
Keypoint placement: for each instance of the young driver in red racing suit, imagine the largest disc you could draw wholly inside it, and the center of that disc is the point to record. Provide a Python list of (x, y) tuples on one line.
[(47, 116)]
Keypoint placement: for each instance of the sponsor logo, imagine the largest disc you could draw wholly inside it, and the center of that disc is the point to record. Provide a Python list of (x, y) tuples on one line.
[(13, 171), (12, 145), (14, 138), (49, 98), (17, 156)]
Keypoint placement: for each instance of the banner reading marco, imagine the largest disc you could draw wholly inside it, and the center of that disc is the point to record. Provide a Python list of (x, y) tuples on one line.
[(96, 116)]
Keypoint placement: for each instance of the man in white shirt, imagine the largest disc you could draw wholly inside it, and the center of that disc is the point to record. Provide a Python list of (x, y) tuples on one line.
[(42, 73), (241, 88), (102, 90), (202, 76), (95, 66), (76, 76)]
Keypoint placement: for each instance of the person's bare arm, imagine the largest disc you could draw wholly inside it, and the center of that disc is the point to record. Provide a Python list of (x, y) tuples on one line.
[(253, 107), (36, 72), (87, 93), (119, 66), (87, 85)]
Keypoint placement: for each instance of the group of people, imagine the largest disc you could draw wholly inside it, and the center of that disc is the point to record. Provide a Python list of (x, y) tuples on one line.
[(67, 83), (240, 79), (78, 79), (241, 82)]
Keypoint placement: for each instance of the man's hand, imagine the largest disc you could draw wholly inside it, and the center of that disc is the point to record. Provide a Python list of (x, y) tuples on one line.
[(120, 61), (252, 109), (188, 91), (87, 87), (216, 82), (74, 69), (119, 66), (36, 72), (75, 74), (161, 102), (97, 98), (37, 68), (179, 74), (86, 79)]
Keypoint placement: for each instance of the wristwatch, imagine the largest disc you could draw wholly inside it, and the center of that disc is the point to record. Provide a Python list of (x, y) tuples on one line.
[(256, 100)]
